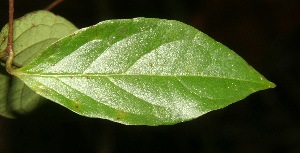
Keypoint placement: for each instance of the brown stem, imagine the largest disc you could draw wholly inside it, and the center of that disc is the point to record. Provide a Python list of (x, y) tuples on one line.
[(9, 48), (53, 4)]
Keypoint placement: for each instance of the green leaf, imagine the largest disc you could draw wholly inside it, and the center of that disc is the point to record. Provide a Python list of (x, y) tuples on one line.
[(4, 83), (141, 71), (33, 33)]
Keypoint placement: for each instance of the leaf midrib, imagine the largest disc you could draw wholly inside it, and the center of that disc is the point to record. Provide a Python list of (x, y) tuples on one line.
[(55, 75)]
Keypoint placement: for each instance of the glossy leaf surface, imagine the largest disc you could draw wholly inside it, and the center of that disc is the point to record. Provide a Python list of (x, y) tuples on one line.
[(33, 33), (141, 71)]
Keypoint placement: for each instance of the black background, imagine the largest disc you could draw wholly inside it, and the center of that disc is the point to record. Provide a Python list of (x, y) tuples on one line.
[(264, 32)]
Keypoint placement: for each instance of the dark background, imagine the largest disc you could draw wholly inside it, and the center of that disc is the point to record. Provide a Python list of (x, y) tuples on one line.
[(264, 32)]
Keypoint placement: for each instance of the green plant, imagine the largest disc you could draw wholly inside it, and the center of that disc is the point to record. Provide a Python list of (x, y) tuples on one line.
[(140, 71)]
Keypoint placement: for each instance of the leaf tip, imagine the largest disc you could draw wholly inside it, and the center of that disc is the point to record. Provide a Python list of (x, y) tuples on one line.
[(272, 85)]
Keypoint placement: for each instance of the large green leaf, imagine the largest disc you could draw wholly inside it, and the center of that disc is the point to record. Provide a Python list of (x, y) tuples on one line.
[(141, 71), (33, 33)]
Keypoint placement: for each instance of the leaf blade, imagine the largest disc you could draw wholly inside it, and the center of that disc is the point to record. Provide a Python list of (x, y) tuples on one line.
[(4, 82), (141, 71)]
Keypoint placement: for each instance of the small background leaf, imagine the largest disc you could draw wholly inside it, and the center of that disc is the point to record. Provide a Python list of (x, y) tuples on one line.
[(141, 71), (33, 33), (4, 83)]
